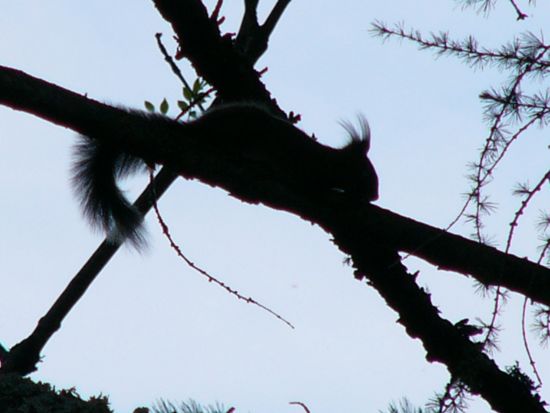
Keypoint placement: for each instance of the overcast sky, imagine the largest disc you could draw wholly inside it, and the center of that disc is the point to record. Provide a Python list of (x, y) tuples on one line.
[(150, 327)]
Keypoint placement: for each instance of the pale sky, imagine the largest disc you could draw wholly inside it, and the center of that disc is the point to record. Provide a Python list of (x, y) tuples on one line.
[(150, 327)]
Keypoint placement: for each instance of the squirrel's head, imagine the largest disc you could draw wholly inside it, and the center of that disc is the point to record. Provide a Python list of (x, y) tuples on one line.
[(355, 153)]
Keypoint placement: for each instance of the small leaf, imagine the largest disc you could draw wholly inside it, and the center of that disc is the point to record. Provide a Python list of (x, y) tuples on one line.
[(164, 106), (200, 99), (187, 94), (196, 86), (149, 106), (182, 105)]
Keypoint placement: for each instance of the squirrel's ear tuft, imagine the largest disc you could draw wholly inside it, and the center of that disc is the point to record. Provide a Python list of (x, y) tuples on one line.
[(359, 137)]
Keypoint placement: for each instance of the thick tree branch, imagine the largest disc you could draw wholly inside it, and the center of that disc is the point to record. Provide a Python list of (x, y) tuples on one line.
[(202, 159), (451, 252), (212, 55), (443, 341)]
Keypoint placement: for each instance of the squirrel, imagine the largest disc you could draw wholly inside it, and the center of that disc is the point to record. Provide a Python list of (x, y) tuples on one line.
[(248, 130)]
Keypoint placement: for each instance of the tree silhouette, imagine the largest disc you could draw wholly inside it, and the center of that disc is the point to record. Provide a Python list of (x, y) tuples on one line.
[(372, 236)]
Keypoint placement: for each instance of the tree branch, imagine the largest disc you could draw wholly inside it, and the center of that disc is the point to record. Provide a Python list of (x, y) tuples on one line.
[(202, 159), (253, 38), (443, 341), (212, 55), (24, 356), (370, 234), (451, 252)]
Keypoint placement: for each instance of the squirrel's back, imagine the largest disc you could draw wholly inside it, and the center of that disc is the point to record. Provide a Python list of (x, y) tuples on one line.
[(248, 131)]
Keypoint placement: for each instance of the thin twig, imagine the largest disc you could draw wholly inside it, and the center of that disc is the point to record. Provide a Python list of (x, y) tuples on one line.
[(521, 15), (274, 16), (301, 405), (209, 277), (175, 69), (526, 343)]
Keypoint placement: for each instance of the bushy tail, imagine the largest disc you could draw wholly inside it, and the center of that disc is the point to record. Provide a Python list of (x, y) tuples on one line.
[(96, 169)]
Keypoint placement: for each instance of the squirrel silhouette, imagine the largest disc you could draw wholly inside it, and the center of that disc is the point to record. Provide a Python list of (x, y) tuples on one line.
[(248, 130)]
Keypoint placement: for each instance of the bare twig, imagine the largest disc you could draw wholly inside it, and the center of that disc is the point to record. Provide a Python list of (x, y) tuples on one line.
[(175, 69), (526, 342), (302, 405), (274, 16), (520, 14), (209, 277)]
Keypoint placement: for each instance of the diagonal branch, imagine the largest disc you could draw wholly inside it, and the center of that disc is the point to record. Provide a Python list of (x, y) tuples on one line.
[(253, 38), (444, 342), (252, 182), (24, 356), (451, 252)]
